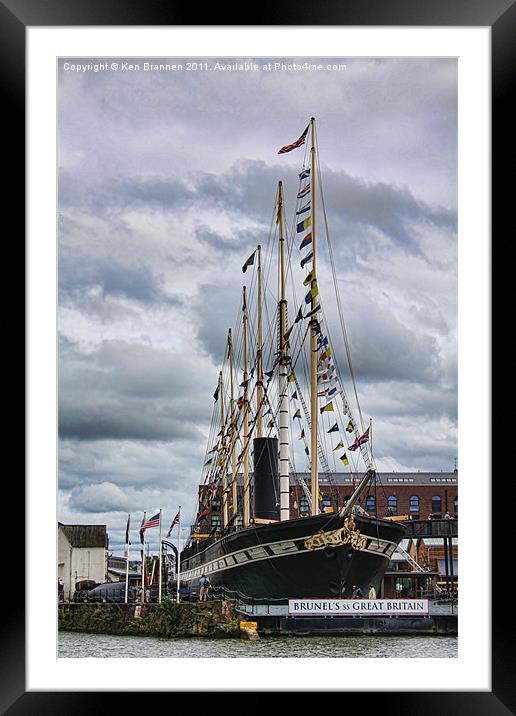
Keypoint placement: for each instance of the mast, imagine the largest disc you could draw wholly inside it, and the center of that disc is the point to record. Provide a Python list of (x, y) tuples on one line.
[(223, 442), (232, 428), (259, 384), (283, 397), (313, 347), (246, 492)]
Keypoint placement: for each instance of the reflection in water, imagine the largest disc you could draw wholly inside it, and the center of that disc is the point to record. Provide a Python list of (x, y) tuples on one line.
[(72, 644)]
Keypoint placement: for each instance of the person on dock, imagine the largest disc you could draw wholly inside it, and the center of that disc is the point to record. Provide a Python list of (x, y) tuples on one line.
[(372, 592), (204, 584), (357, 592)]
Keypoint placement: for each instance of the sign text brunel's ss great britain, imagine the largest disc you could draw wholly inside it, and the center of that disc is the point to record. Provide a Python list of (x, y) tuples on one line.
[(348, 607)]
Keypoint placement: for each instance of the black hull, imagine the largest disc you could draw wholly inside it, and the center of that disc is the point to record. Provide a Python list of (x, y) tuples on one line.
[(274, 563)]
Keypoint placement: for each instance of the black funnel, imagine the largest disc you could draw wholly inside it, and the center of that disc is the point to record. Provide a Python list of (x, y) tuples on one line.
[(266, 479)]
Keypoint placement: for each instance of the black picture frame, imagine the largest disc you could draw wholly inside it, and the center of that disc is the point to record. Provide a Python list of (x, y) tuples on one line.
[(500, 16)]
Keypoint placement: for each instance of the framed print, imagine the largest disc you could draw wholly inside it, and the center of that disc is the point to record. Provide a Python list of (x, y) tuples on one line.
[(123, 287)]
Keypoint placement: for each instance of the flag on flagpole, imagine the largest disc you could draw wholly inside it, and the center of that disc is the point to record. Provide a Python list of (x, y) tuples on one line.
[(304, 191), (349, 427), (249, 262), (294, 396), (174, 522), (305, 173), (151, 522), (307, 240), (304, 208), (340, 445), (216, 393), (142, 531), (298, 143), (302, 434), (127, 529), (328, 408), (297, 414), (303, 225), (360, 441), (307, 258), (333, 429), (299, 316), (345, 460)]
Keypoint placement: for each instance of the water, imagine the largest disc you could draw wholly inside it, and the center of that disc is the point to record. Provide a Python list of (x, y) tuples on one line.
[(72, 644)]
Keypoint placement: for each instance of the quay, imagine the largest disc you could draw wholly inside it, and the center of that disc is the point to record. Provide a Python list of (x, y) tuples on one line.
[(222, 619)]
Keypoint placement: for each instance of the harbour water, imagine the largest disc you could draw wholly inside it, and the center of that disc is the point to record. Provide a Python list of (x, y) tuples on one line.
[(77, 645)]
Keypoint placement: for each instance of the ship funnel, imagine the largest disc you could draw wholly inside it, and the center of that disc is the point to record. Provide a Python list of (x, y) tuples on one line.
[(266, 479)]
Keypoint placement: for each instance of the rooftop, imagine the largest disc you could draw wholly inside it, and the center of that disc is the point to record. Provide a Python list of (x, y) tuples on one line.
[(84, 535), (384, 478)]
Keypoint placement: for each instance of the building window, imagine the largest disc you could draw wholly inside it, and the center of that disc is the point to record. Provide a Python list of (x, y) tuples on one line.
[(215, 504), (326, 502), (392, 505), (414, 503), (303, 505), (370, 504), (436, 505), (456, 505), (215, 522)]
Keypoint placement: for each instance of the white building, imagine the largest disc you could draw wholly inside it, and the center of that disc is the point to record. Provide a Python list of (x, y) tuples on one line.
[(81, 554)]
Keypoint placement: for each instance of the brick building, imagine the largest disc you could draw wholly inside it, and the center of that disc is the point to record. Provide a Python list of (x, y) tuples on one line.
[(414, 494)]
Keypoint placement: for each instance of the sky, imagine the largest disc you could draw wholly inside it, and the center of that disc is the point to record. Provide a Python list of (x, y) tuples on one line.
[(167, 182)]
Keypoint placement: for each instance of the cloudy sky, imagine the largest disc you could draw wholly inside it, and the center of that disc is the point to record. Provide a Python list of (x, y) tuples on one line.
[(167, 184)]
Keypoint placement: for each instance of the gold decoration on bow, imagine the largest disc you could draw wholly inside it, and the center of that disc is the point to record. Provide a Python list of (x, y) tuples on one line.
[(347, 534)]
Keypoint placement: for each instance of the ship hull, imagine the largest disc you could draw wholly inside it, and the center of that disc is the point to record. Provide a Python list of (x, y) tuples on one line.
[(315, 557)]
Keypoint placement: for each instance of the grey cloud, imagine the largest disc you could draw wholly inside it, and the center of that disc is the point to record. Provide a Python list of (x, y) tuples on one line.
[(126, 390), (80, 272)]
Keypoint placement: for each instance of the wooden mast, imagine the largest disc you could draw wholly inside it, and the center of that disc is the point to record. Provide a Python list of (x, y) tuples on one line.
[(246, 497), (283, 397), (223, 443), (259, 341), (232, 428), (313, 346)]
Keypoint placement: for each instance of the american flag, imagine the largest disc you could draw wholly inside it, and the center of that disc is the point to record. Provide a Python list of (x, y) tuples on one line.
[(296, 144), (151, 522), (175, 521)]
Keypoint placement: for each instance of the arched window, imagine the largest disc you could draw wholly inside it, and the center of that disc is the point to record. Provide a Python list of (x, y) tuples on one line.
[(370, 504), (414, 503), (392, 504), (456, 505), (303, 504), (436, 505)]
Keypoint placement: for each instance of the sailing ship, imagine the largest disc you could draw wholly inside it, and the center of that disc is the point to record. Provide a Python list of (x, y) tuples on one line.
[(257, 550)]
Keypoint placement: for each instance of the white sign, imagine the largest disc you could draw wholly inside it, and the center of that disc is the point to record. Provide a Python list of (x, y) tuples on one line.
[(352, 607)]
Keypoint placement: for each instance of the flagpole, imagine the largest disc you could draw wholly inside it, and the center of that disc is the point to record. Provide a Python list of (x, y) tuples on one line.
[(160, 557), (178, 555), (127, 559), (143, 562), (283, 397), (313, 349)]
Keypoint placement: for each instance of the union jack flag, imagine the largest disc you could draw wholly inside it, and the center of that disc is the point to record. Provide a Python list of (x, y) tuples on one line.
[(360, 441), (175, 521)]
